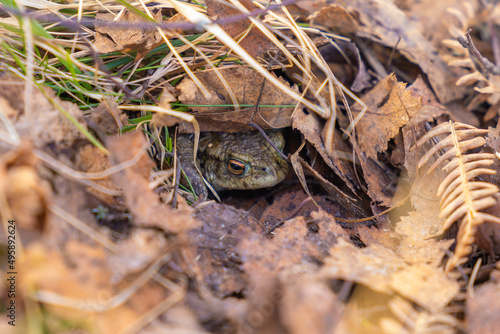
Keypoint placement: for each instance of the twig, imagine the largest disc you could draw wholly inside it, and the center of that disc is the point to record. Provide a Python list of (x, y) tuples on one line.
[(469, 44), (393, 52), (50, 18)]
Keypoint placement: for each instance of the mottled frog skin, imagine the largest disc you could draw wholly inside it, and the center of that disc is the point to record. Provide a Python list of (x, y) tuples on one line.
[(233, 160)]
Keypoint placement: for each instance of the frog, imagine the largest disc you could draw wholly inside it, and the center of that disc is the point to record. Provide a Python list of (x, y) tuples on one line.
[(233, 161)]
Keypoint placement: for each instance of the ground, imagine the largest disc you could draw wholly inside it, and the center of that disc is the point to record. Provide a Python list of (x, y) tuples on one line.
[(386, 223)]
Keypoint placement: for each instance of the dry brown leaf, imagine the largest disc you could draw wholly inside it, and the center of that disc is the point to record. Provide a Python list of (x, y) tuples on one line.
[(344, 59), (83, 274), (426, 286), (107, 119), (415, 247), (92, 160), (309, 306), (142, 202), (179, 318), (255, 42), (372, 266), (253, 206), (160, 120), (133, 254), (143, 40), (483, 308), (431, 108), (390, 107), (493, 138), (227, 121), (344, 199), (48, 270), (329, 231), (288, 248), (362, 79), (299, 172), (246, 85), (337, 19), (381, 180), (416, 226), (285, 205), (214, 313), (382, 22), (391, 315), (432, 18), (45, 125), (304, 8), (262, 305), (47, 129), (369, 305), (379, 269), (376, 235), (214, 245), (25, 192)]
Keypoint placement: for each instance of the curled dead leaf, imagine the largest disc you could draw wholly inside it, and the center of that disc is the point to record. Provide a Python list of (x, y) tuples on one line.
[(143, 40), (385, 23), (336, 18), (246, 85)]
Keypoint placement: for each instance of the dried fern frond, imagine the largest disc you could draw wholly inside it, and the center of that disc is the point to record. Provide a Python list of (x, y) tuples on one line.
[(459, 20), (462, 198)]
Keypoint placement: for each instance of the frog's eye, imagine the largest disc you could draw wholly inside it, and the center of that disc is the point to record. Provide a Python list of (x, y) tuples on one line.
[(236, 167)]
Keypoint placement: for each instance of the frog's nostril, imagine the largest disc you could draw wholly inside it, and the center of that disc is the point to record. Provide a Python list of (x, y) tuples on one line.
[(267, 170)]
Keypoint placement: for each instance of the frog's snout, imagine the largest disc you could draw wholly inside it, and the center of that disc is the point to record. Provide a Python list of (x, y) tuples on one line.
[(268, 170)]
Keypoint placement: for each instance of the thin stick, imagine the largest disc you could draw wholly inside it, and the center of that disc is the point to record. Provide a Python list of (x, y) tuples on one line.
[(473, 276), (469, 44)]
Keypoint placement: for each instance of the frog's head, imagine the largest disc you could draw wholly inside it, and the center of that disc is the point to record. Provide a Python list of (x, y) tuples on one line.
[(244, 161)]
